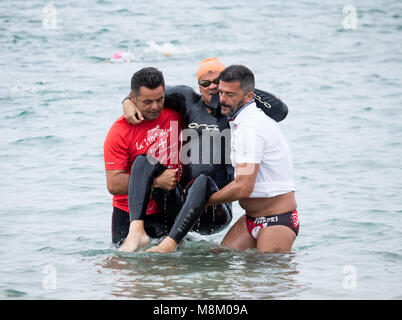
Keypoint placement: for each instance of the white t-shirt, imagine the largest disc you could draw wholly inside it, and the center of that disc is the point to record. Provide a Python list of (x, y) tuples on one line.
[(256, 138)]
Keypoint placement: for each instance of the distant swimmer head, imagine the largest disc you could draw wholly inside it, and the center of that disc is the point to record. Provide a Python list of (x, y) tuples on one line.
[(118, 54), (208, 77), (122, 56)]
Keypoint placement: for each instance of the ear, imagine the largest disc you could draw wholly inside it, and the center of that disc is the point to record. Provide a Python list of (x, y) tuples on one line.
[(132, 98), (250, 96)]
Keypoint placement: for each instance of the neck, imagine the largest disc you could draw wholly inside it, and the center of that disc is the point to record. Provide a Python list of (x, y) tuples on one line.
[(249, 101), (206, 102)]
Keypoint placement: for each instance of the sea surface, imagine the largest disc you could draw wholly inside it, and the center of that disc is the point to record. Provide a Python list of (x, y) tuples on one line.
[(337, 67)]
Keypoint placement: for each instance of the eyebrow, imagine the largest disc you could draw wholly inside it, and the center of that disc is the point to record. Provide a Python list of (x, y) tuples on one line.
[(150, 100), (227, 92)]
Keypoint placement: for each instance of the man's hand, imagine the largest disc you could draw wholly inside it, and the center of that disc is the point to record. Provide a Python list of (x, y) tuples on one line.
[(131, 113), (167, 180)]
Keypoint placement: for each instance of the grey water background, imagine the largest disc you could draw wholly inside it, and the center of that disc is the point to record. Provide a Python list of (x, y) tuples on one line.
[(59, 96)]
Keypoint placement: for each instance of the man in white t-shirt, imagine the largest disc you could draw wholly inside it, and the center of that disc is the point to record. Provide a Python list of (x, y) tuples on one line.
[(264, 183)]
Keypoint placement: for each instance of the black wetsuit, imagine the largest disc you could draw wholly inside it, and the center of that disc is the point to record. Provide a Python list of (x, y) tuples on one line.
[(185, 211)]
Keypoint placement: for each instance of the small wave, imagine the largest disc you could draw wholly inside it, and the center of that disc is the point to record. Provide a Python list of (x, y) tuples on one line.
[(94, 252), (124, 12), (97, 58), (22, 114), (16, 90), (46, 249), (151, 51), (385, 255), (166, 49), (43, 139), (81, 239), (14, 293)]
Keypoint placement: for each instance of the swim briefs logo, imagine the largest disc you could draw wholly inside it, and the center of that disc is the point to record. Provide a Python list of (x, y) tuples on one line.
[(295, 219)]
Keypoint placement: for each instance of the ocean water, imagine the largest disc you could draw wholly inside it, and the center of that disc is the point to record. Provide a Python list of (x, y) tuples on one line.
[(339, 70)]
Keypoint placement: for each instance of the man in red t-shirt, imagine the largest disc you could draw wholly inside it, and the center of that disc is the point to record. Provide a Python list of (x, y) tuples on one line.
[(156, 139)]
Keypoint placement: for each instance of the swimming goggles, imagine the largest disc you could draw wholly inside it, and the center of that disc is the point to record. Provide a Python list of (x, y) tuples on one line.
[(207, 83)]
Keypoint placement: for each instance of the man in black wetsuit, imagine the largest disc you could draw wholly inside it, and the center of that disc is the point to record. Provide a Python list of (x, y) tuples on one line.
[(202, 175)]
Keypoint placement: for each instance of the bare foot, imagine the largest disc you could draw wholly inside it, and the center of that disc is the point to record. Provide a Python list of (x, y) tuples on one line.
[(157, 249), (133, 243), (167, 245), (136, 237)]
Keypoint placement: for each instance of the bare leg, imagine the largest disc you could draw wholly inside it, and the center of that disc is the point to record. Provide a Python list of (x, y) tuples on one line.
[(193, 207), (238, 237), (139, 190), (275, 239), (136, 237)]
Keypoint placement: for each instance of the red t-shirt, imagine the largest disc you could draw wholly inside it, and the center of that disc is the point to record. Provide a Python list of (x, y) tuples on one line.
[(124, 142)]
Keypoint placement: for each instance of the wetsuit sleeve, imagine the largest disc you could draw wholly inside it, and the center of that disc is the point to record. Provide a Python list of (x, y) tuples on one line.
[(272, 106), (115, 151), (230, 172), (128, 97), (174, 100), (180, 98)]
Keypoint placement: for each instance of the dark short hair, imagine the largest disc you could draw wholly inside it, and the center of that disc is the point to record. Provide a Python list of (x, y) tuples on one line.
[(239, 73), (149, 77)]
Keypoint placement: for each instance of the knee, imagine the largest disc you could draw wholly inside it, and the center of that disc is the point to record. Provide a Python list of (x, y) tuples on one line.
[(206, 182), (143, 163), (199, 180), (202, 179), (202, 184), (140, 160)]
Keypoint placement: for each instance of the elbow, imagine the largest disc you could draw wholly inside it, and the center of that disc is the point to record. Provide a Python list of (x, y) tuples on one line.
[(112, 189), (116, 183), (246, 192)]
